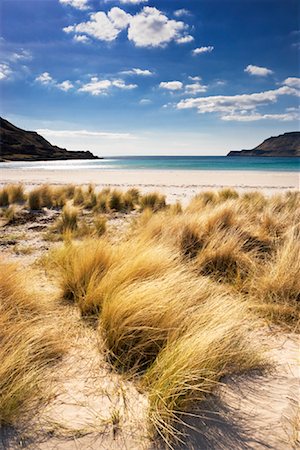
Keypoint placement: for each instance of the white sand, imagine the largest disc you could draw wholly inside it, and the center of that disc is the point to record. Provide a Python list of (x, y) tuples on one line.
[(176, 184)]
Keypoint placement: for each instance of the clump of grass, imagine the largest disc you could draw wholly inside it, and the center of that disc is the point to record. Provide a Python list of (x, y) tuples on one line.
[(275, 287), (223, 259), (4, 197), (30, 343), (115, 201), (46, 196), (16, 193), (132, 261), (9, 214), (34, 200), (202, 200), (134, 194), (190, 367), (227, 193), (192, 240), (100, 224), (176, 208), (102, 201), (153, 200), (80, 267), (68, 221), (78, 199)]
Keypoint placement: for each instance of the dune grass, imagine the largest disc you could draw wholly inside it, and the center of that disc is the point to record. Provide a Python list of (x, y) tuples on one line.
[(4, 197), (30, 343), (178, 298)]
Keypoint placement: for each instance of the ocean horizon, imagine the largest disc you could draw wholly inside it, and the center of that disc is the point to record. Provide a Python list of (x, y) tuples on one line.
[(180, 162)]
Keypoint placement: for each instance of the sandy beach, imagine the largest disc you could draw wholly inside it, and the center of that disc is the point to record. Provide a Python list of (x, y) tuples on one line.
[(175, 184)]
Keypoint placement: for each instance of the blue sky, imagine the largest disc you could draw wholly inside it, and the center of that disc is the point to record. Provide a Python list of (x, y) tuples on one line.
[(122, 77)]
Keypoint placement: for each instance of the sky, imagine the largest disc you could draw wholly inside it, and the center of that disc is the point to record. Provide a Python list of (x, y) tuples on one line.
[(151, 77)]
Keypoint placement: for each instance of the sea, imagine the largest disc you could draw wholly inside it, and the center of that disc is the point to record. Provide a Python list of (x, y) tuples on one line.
[(269, 164)]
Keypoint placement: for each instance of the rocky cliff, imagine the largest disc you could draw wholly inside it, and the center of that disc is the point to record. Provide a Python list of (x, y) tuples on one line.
[(284, 145), (20, 145)]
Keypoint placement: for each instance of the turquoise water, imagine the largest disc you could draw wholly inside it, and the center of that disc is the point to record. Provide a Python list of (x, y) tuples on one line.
[(165, 163)]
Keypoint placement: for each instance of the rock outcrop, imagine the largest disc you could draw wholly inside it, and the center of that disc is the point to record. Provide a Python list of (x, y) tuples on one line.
[(20, 145), (284, 145)]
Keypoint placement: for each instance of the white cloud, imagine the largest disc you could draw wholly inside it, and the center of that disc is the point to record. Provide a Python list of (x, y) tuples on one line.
[(235, 105), (292, 82), (148, 28), (78, 4), (151, 28), (145, 101), (185, 39), (102, 26), (65, 85), (258, 71), (83, 133), (171, 85), (122, 85), (44, 78), (200, 50), (253, 117), (136, 71), (81, 38), (5, 71), (21, 55), (195, 78), (182, 12), (97, 87), (133, 2), (195, 88), (119, 18)]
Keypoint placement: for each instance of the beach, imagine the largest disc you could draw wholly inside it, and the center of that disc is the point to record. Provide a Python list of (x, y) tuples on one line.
[(175, 184)]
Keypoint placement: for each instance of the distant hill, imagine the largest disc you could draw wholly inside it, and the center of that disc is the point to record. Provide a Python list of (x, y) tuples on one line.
[(284, 145), (21, 145)]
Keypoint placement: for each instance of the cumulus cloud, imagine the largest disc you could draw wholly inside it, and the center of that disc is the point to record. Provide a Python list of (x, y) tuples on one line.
[(136, 71), (258, 71), (97, 87), (185, 39), (44, 78), (5, 71), (83, 133), (148, 28), (152, 28), (78, 4), (236, 105), (292, 82), (65, 85), (195, 88), (171, 85), (200, 50), (102, 26)]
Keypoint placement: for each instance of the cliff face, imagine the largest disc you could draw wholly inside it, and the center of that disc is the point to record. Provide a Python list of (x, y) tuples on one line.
[(21, 145), (285, 145)]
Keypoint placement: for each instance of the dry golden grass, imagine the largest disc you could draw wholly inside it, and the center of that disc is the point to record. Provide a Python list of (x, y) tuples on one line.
[(68, 220), (153, 200), (215, 344), (177, 300), (80, 266), (4, 197), (16, 193), (30, 342)]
